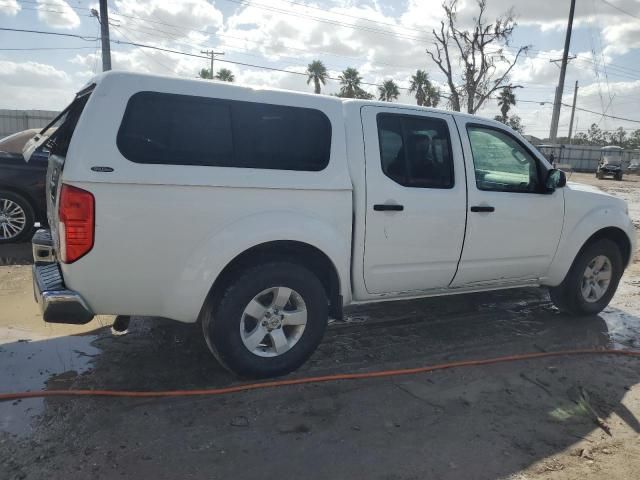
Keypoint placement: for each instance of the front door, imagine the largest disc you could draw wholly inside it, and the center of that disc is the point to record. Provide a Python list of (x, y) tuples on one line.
[(513, 225), (415, 201)]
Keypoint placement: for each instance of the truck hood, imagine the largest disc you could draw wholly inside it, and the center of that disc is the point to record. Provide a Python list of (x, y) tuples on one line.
[(583, 187), (594, 195)]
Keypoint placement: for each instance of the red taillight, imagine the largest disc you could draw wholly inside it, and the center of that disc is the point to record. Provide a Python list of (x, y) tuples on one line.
[(76, 214)]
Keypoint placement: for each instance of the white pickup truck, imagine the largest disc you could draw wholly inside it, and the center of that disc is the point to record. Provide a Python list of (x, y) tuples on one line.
[(260, 213)]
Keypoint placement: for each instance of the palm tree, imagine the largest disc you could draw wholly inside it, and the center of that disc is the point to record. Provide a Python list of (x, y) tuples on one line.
[(505, 100), (205, 73), (388, 91), (225, 75), (432, 96), (419, 83), (427, 94), (317, 72), (350, 80)]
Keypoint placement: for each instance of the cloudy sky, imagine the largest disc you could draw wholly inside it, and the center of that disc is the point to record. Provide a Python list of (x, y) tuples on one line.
[(382, 38)]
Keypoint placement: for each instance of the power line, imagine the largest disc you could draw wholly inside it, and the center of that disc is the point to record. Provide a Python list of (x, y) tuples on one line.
[(43, 48), (625, 72), (41, 32), (264, 67), (619, 9), (545, 103)]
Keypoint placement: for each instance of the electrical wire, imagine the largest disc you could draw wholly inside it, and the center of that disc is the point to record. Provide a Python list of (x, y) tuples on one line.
[(620, 9), (301, 73), (41, 32)]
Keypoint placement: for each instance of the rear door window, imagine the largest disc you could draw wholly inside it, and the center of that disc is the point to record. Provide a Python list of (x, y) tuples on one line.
[(415, 151), (160, 128)]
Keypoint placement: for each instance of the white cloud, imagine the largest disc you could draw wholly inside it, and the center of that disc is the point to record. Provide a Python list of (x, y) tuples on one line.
[(161, 21), (34, 85), (32, 74), (622, 37), (58, 14), (10, 7)]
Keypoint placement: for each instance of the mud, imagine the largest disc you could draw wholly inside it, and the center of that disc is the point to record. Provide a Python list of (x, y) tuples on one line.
[(560, 418)]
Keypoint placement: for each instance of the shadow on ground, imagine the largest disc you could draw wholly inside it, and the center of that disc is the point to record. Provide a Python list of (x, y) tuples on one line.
[(16, 254), (476, 423)]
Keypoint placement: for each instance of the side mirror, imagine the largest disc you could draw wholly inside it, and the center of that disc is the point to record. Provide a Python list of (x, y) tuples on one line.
[(555, 179)]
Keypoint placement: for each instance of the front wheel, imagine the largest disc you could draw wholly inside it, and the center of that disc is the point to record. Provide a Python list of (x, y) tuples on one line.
[(592, 280), (268, 321)]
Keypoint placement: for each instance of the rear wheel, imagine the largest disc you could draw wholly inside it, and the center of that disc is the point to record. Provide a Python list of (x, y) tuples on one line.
[(16, 218), (592, 280), (268, 321)]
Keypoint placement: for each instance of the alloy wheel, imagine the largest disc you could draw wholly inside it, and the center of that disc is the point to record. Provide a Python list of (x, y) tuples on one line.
[(13, 219), (273, 321)]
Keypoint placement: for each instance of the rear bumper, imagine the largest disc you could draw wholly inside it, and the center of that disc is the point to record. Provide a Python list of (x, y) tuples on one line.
[(57, 303)]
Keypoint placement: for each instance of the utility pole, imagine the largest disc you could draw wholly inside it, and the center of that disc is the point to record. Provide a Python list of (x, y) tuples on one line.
[(553, 134), (104, 35), (211, 54), (573, 111)]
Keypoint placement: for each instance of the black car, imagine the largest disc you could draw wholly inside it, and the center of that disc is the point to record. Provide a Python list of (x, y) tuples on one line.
[(22, 188)]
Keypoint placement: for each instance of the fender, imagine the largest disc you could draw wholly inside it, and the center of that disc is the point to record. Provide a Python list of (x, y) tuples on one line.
[(191, 286), (575, 234)]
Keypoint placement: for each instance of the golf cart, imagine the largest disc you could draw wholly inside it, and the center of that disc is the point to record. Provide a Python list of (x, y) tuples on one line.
[(610, 162)]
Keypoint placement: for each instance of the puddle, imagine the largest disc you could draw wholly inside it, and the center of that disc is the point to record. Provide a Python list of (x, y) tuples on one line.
[(28, 365), (623, 329)]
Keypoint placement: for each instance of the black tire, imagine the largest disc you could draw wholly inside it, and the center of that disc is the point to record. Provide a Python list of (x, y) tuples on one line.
[(29, 216), (619, 176), (568, 295), (222, 316), (599, 175)]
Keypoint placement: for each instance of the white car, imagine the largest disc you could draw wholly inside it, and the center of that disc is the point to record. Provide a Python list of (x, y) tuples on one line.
[(261, 213)]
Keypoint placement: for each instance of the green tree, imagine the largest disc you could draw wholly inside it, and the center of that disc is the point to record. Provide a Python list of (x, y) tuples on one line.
[(388, 91), (505, 100), (205, 73), (514, 121), (634, 139), (316, 72), (426, 94), (350, 81), (225, 75), (619, 137), (595, 135)]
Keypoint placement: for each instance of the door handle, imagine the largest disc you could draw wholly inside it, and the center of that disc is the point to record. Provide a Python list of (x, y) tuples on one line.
[(388, 207), (482, 208)]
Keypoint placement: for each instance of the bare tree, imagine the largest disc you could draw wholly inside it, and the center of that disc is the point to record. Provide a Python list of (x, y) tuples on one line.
[(479, 52)]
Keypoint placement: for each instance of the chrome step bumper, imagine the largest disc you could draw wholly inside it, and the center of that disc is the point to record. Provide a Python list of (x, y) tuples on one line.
[(57, 303)]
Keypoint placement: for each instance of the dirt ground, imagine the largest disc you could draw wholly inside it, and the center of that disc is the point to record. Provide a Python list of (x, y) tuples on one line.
[(558, 419)]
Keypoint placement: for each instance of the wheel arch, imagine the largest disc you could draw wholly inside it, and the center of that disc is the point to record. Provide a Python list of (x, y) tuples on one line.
[(293, 251), (24, 193), (617, 235), (563, 262)]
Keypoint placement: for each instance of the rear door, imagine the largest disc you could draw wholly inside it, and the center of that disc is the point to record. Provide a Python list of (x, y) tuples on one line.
[(415, 201)]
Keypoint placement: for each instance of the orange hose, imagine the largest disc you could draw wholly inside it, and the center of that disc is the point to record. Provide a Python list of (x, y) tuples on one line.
[(321, 379)]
